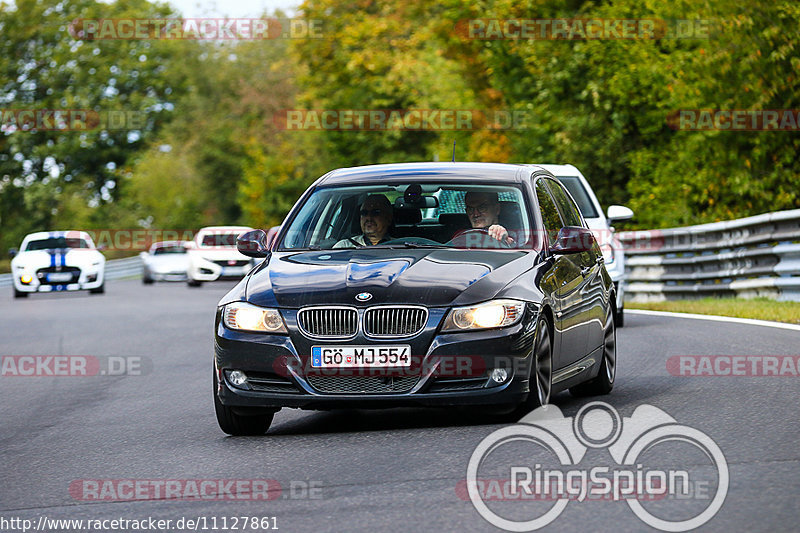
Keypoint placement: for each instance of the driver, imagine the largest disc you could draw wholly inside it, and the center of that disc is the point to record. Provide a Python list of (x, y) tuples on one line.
[(376, 217), (483, 210)]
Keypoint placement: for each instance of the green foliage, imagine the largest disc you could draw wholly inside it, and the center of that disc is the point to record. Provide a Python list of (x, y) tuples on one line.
[(210, 151), (50, 178)]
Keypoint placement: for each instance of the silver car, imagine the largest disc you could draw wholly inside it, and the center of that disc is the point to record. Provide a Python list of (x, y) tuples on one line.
[(165, 261), (600, 224)]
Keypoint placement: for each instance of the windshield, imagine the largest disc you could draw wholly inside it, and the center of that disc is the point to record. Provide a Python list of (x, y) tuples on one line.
[(173, 249), (219, 239), (418, 214), (575, 188), (56, 243)]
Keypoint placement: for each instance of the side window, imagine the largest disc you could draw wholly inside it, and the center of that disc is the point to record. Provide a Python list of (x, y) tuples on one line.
[(569, 211), (552, 221)]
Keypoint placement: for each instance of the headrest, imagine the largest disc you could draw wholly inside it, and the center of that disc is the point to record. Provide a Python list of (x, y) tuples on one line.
[(459, 220), (510, 216), (407, 217)]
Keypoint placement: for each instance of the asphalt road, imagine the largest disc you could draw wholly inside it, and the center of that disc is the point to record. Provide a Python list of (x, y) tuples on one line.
[(395, 470)]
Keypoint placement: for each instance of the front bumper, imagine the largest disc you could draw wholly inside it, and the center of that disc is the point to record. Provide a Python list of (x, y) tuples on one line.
[(168, 276), (449, 369), (86, 280), (205, 270)]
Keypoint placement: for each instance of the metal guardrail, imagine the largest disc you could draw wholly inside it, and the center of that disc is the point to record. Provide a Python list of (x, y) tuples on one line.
[(750, 257), (130, 267)]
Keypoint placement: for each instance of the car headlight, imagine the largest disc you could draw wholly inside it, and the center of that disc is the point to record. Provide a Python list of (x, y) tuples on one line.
[(246, 317), (492, 314)]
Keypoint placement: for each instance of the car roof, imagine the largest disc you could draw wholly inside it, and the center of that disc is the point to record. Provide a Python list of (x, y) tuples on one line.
[(458, 171), (226, 228), (557, 170), (58, 233)]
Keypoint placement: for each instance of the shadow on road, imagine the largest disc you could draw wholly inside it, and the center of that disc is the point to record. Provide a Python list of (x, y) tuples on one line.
[(362, 420)]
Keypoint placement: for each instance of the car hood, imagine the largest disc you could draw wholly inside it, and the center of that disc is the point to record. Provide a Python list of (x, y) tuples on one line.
[(425, 277), (77, 257)]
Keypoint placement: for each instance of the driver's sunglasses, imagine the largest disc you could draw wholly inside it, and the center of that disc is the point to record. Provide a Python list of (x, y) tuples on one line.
[(479, 208), (371, 212)]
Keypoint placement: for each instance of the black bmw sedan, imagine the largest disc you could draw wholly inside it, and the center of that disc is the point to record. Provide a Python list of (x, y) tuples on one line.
[(418, 284)]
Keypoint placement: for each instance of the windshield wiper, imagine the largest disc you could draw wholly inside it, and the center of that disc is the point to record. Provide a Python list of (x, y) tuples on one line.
[(410, 245)]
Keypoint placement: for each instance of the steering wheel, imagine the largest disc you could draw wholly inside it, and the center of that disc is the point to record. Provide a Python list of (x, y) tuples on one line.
[(463, 236)]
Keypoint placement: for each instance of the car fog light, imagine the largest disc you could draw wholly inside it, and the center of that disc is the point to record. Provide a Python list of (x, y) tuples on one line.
[(499, 375), (26, 278), (238, 378)]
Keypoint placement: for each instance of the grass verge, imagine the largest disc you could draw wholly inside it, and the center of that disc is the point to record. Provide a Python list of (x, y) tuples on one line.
[(757, 308)]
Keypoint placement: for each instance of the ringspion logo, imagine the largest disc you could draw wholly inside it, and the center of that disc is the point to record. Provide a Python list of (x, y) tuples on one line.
[(687, 498)]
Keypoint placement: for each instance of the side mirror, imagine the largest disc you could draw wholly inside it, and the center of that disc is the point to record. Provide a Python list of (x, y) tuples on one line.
[(102, 248), (618, 213), (573, 240), (253, 243), (12, 253)]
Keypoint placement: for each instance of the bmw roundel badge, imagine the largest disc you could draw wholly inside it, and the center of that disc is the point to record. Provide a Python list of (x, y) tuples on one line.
[(363, 297)]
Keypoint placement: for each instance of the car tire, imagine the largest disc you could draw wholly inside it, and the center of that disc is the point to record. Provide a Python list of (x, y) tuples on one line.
[(620, 320), (19, 294), (98, 290), (193, 283), (541, 378), (236, 424), (147, 280), (604, 382)]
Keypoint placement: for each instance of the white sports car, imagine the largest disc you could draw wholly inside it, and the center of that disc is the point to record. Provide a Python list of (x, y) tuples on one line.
[(57, 261), (165, 261), (213, 255)]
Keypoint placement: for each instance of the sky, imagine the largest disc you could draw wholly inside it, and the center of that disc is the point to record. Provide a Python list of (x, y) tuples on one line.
[(232, 8)]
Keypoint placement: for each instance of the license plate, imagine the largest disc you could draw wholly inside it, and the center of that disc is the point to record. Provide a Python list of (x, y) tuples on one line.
[(231, 271), (59, 276), (360, 356)]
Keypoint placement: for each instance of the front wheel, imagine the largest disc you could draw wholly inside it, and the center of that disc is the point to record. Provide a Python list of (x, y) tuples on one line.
[(193, 282), (19, 294), (604, 381), (233, 423), (98, 290), (541, 380)]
